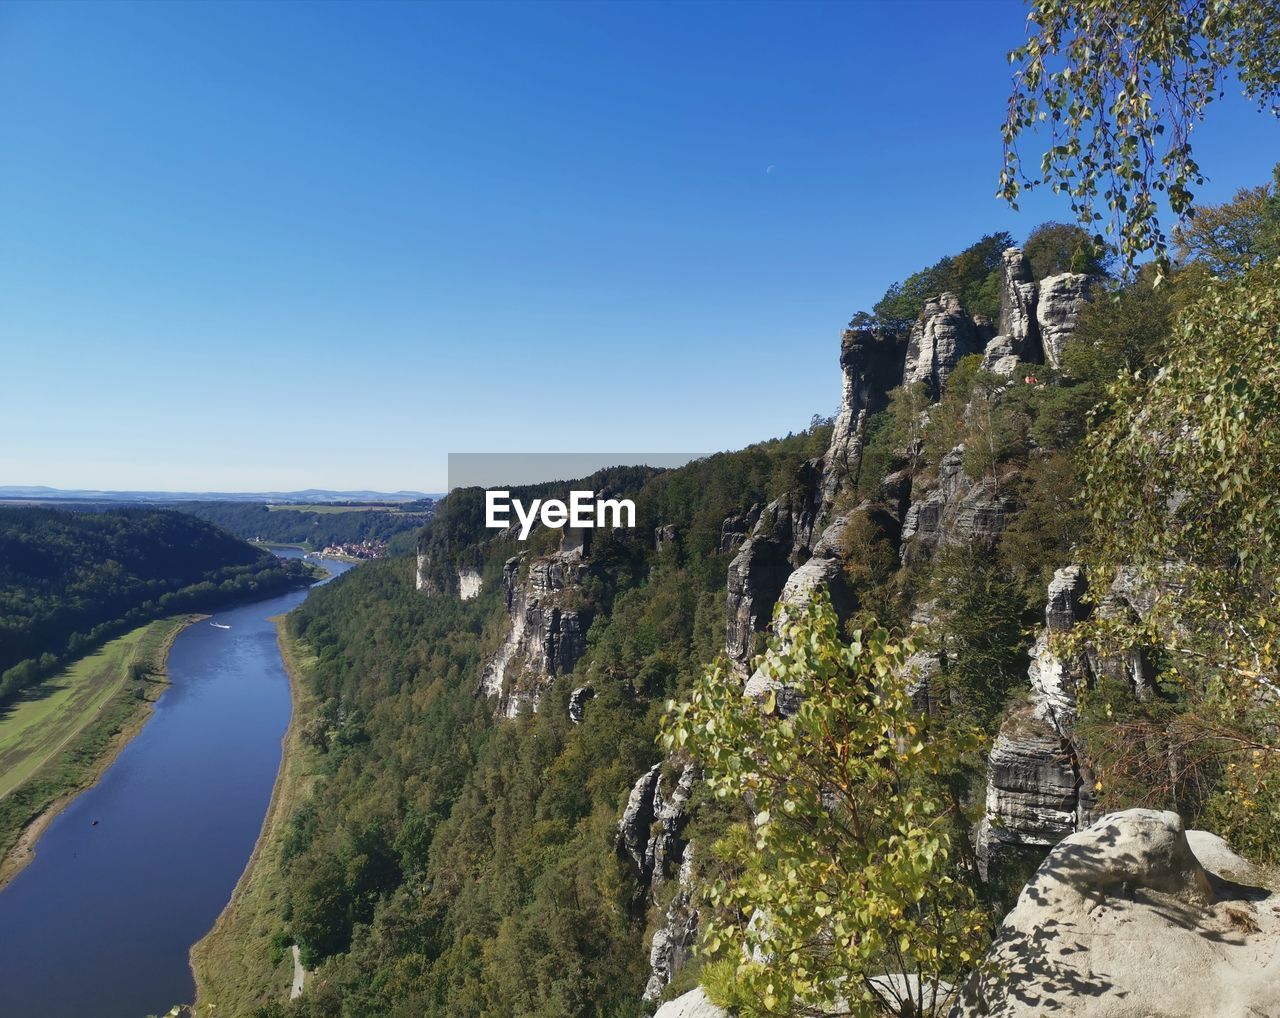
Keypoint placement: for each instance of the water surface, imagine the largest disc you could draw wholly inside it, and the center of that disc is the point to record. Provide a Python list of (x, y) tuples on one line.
[(100, 923)]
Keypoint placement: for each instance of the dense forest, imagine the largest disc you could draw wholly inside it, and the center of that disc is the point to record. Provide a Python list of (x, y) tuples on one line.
[(448, 865), (69, 579), (313, 528)]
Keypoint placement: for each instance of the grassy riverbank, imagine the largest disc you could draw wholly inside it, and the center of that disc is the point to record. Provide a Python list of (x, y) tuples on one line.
[(241, 962), (64, 733)]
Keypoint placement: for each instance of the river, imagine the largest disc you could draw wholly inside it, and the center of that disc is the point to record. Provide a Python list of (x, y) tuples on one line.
[(138, 867)]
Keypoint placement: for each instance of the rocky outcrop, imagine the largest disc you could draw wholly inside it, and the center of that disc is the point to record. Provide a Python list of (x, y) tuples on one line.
[(693, 1004), (756, 577), (1033, 790), (422, 575), (824, 569), (871, 364), (673, 942), (1000, 357), (469, 583), (786, 535), (1123, 919), (1038, 787), (943, 334), (637, 818), (576, 541), (664, 537), (434, 576), (578, 703), (651, 835), (955, 509), (1036, 319), (735, 528), (1065, 604), (1062, 298), (1018, 297), (546, 638), (652, 825)]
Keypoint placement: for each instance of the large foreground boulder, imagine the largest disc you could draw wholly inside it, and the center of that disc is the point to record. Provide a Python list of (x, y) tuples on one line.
[(693, 1004), (1123, 920)]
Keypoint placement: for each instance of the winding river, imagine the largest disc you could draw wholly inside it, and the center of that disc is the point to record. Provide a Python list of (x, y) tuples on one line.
[(138, 867)]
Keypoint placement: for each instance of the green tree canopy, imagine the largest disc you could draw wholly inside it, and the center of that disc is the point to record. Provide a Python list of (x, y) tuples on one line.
[(848, 867), (1236, 235), (1183, 479), (1119, 85), (973, 274), (1063, 247)]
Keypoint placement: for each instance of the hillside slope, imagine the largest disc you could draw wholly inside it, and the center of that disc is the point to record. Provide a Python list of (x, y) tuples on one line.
[(70, 579)]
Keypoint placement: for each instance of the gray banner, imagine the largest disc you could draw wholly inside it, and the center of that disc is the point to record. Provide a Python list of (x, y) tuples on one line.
[(510, 469)]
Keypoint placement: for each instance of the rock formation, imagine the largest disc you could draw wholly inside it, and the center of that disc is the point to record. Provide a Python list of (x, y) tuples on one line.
[(953, 509), (789, 531), (469, 583), (1033, 790), (546, 638), (1062, 298), (1038, 788), (1000, 357), (693, 1004), (1018, 296), (1127, 918), (651, 835), (871, 364), (637, 818), (422, 575), (784, 552), (672, 943), (578, 703), (757, 575), (942, 335), (651, 827), (735, 528)]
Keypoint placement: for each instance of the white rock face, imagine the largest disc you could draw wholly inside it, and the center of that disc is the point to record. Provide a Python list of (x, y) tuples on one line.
[(1123, 921), (1053, 682), (1000, 357), (1062, 298), (469, 583), (942, 335), (693, 1004), (545, 639), (1032, 796)]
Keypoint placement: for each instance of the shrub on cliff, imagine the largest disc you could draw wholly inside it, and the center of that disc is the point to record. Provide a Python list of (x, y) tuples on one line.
[(851, 864)]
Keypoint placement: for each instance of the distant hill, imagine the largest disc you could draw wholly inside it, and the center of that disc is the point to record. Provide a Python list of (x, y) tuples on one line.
[(69, 580), (316, 525), (40, 493)]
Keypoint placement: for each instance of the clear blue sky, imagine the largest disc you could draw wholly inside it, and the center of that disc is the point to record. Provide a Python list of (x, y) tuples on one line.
[(274, 246)]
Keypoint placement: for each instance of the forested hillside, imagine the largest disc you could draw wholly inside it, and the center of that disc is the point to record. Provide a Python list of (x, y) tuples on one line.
[(69, 579), (450, 865), (312, 527)]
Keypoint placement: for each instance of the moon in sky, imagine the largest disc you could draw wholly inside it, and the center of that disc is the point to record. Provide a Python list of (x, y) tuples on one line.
[(769, 169)]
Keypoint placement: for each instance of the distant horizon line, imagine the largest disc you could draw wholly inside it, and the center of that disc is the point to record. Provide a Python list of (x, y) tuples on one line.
[(16, 492)]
